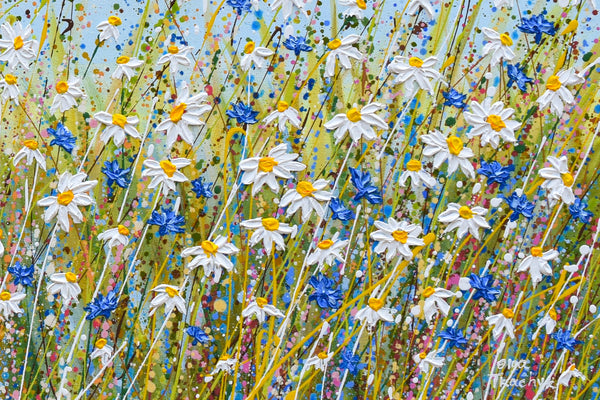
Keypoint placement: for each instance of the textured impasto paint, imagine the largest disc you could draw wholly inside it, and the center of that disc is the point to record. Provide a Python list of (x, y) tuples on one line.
[(280, 199)]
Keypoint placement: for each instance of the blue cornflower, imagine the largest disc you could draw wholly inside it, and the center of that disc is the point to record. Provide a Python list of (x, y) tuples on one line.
[(22, 274), (454, 337), (495, 172), (297, 45), (167, 221), (324, 294), (520, 206), (115, 174), (242, 113), (362, 183), (516, 75), (483, 287), (240, 6), (340, 211), (578, 211), (565, 341), (102, 306), (198, 335), (351, 362), (62, 137), (537, 25), (201, 188), (454, 98)]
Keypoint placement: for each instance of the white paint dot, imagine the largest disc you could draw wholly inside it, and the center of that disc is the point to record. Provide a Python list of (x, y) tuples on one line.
[(573, 299), (593, 309)]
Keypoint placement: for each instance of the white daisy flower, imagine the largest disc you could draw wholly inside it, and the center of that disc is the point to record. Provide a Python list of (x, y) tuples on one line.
[(102, 351), (66, 284), (66, 95), (266, 170), (374, 312), (397, 238), (465, 218), (118, 126), (491, 121), (287, 6), (502, 323), (269, 231), (9, 303), (213, 256), (18, 48), (306, 196), (557, 94), (418, 176), (435, 301), (72, 193), (319, 361), (261, 308), (498, 45), (168, 295), (359, 123), (415, 73), (429, 360), (558, 180), (30, 152), (284, 113), (185, 113), (355, 8), (176, 57), (114, 237), (225, 364), (327, 251), (537, 264), (9, 88), (254, 55), (424, 5), (569, 373), (343, 51), (165, 172), (449, 148), (548, 322), (108, 29), (126, 66)]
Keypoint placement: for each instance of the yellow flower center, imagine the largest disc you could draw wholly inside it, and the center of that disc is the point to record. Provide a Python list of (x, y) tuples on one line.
[(249, 47), (266, 164), (325, 244), (173, 49), (334, 44), (415, 62), (224, 357), (31, 144), (177, 112), (5, 296), (282, 106), (508, 313), (119, 120), (270, 224), (375, 303), (123, 230), (18, 42), (261, 302), (455, 145), (567, 179), (400, 236), (71, 277), (414, 165), (65, 198), (553, 83), (305, 188), (168, 167), (496, 122), (361, 4), (10, 79), (422, 355), (171, 292), (572, 367), (506, 40), (428, 291), (537, 251), (62, 87), (465, 212), (114, 20), (353, 115), (123, 60), (322, 355), (210, 249), (100, 343), (553, 314)]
